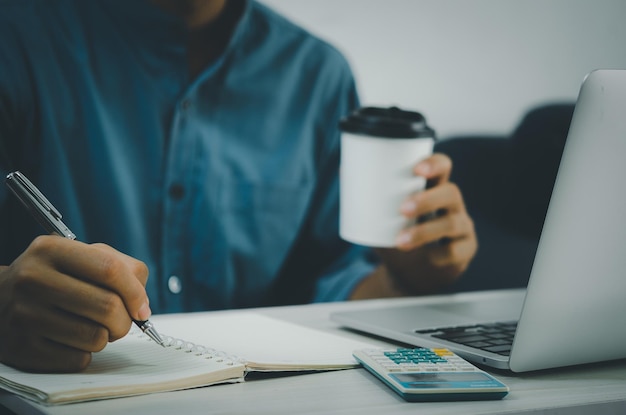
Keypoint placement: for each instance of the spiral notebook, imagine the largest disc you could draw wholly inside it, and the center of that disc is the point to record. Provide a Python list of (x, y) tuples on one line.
[(209, 348)]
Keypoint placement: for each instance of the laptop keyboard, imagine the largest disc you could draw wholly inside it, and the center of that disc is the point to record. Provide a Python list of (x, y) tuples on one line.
[(494, 338)]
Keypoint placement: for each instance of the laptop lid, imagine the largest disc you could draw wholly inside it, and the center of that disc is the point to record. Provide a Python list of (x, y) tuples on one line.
[(572, 309), (575, 296)]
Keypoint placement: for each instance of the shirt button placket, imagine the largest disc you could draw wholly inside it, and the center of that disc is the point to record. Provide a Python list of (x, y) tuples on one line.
[(176, 191), (174, 284), (185, 105), (175, 205)]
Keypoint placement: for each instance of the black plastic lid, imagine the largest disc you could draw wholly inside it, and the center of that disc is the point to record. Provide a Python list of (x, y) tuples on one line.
[(389, 122)]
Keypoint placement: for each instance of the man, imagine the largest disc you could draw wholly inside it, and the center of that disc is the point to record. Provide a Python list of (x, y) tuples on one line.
[(194, 139)]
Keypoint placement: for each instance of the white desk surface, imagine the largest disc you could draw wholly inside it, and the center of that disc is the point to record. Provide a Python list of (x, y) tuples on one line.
[(592, 389)]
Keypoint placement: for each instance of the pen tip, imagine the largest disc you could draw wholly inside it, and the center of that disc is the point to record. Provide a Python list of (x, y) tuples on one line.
[(149, 329), (155, 336)]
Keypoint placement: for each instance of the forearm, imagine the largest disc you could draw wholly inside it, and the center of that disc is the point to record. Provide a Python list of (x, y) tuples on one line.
[(378, 284), (410, 275)]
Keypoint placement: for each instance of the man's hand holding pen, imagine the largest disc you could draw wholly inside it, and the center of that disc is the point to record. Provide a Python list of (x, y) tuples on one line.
[(62, 299)]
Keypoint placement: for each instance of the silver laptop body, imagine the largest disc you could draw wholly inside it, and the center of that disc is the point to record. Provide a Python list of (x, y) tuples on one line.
[(573, 308)]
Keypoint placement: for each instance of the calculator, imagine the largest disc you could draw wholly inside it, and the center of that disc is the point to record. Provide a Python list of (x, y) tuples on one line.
[(424, 374)]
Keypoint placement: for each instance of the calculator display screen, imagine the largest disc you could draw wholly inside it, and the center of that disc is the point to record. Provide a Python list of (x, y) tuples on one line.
[(442, 380)]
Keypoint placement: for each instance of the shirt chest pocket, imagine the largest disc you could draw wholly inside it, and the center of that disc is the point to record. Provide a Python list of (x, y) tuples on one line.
[(260, 221)]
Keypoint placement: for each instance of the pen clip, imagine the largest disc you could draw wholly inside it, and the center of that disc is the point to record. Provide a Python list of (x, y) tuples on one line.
[(33, 193), (45, 213)]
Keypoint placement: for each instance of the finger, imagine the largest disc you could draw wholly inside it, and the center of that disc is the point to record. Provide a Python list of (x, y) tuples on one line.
[(43, 355), (62, 327), (141, 270), (453, 257), (55, 357), (100, 265), (26, 349), (436, 168), (78, 332), (449, 226), (446, 197), (63, 299)]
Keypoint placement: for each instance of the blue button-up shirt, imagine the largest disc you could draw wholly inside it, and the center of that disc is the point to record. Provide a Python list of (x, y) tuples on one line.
[(225, 185)]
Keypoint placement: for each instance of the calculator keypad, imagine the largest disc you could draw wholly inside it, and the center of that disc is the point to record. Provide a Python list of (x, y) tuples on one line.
[(419, 360), (423, 374)]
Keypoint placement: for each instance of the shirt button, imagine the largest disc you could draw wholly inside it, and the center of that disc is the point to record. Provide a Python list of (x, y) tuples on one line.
[(186, 104), (176, 191), (174, 284)]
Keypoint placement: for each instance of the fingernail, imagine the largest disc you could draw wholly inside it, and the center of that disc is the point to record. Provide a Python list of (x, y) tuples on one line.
[(423, 169), (408, 206), (144, 312), (403, 239)]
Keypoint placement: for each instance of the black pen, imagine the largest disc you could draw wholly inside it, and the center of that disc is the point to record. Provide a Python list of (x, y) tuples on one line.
[(50, 218)]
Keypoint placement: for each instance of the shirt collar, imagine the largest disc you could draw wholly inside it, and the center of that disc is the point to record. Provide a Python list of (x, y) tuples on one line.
[(156, 32), (144, 21)]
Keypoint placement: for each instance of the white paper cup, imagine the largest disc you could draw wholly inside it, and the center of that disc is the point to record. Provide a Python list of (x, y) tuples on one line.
[(379, 149)]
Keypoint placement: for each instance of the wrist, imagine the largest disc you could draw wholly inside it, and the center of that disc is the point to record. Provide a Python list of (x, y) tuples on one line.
[(378, 284)]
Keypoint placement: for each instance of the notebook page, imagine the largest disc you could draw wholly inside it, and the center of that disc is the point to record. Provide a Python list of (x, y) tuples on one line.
[(130, 366), (264, 342)]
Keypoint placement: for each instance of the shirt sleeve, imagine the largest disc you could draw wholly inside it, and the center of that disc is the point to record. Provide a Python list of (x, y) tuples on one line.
[(322, 267), (344, 265)]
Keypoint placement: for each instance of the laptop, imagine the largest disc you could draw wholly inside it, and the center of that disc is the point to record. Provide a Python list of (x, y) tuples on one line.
[(573, 308)]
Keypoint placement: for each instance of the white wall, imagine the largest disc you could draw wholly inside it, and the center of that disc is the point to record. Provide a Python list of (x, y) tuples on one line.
[(471, 66)]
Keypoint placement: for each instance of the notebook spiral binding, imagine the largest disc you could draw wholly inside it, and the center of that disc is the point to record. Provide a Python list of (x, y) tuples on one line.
[(190, 347)]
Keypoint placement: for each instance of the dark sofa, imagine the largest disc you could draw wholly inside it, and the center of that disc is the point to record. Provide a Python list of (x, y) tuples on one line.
[(507, 183)]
